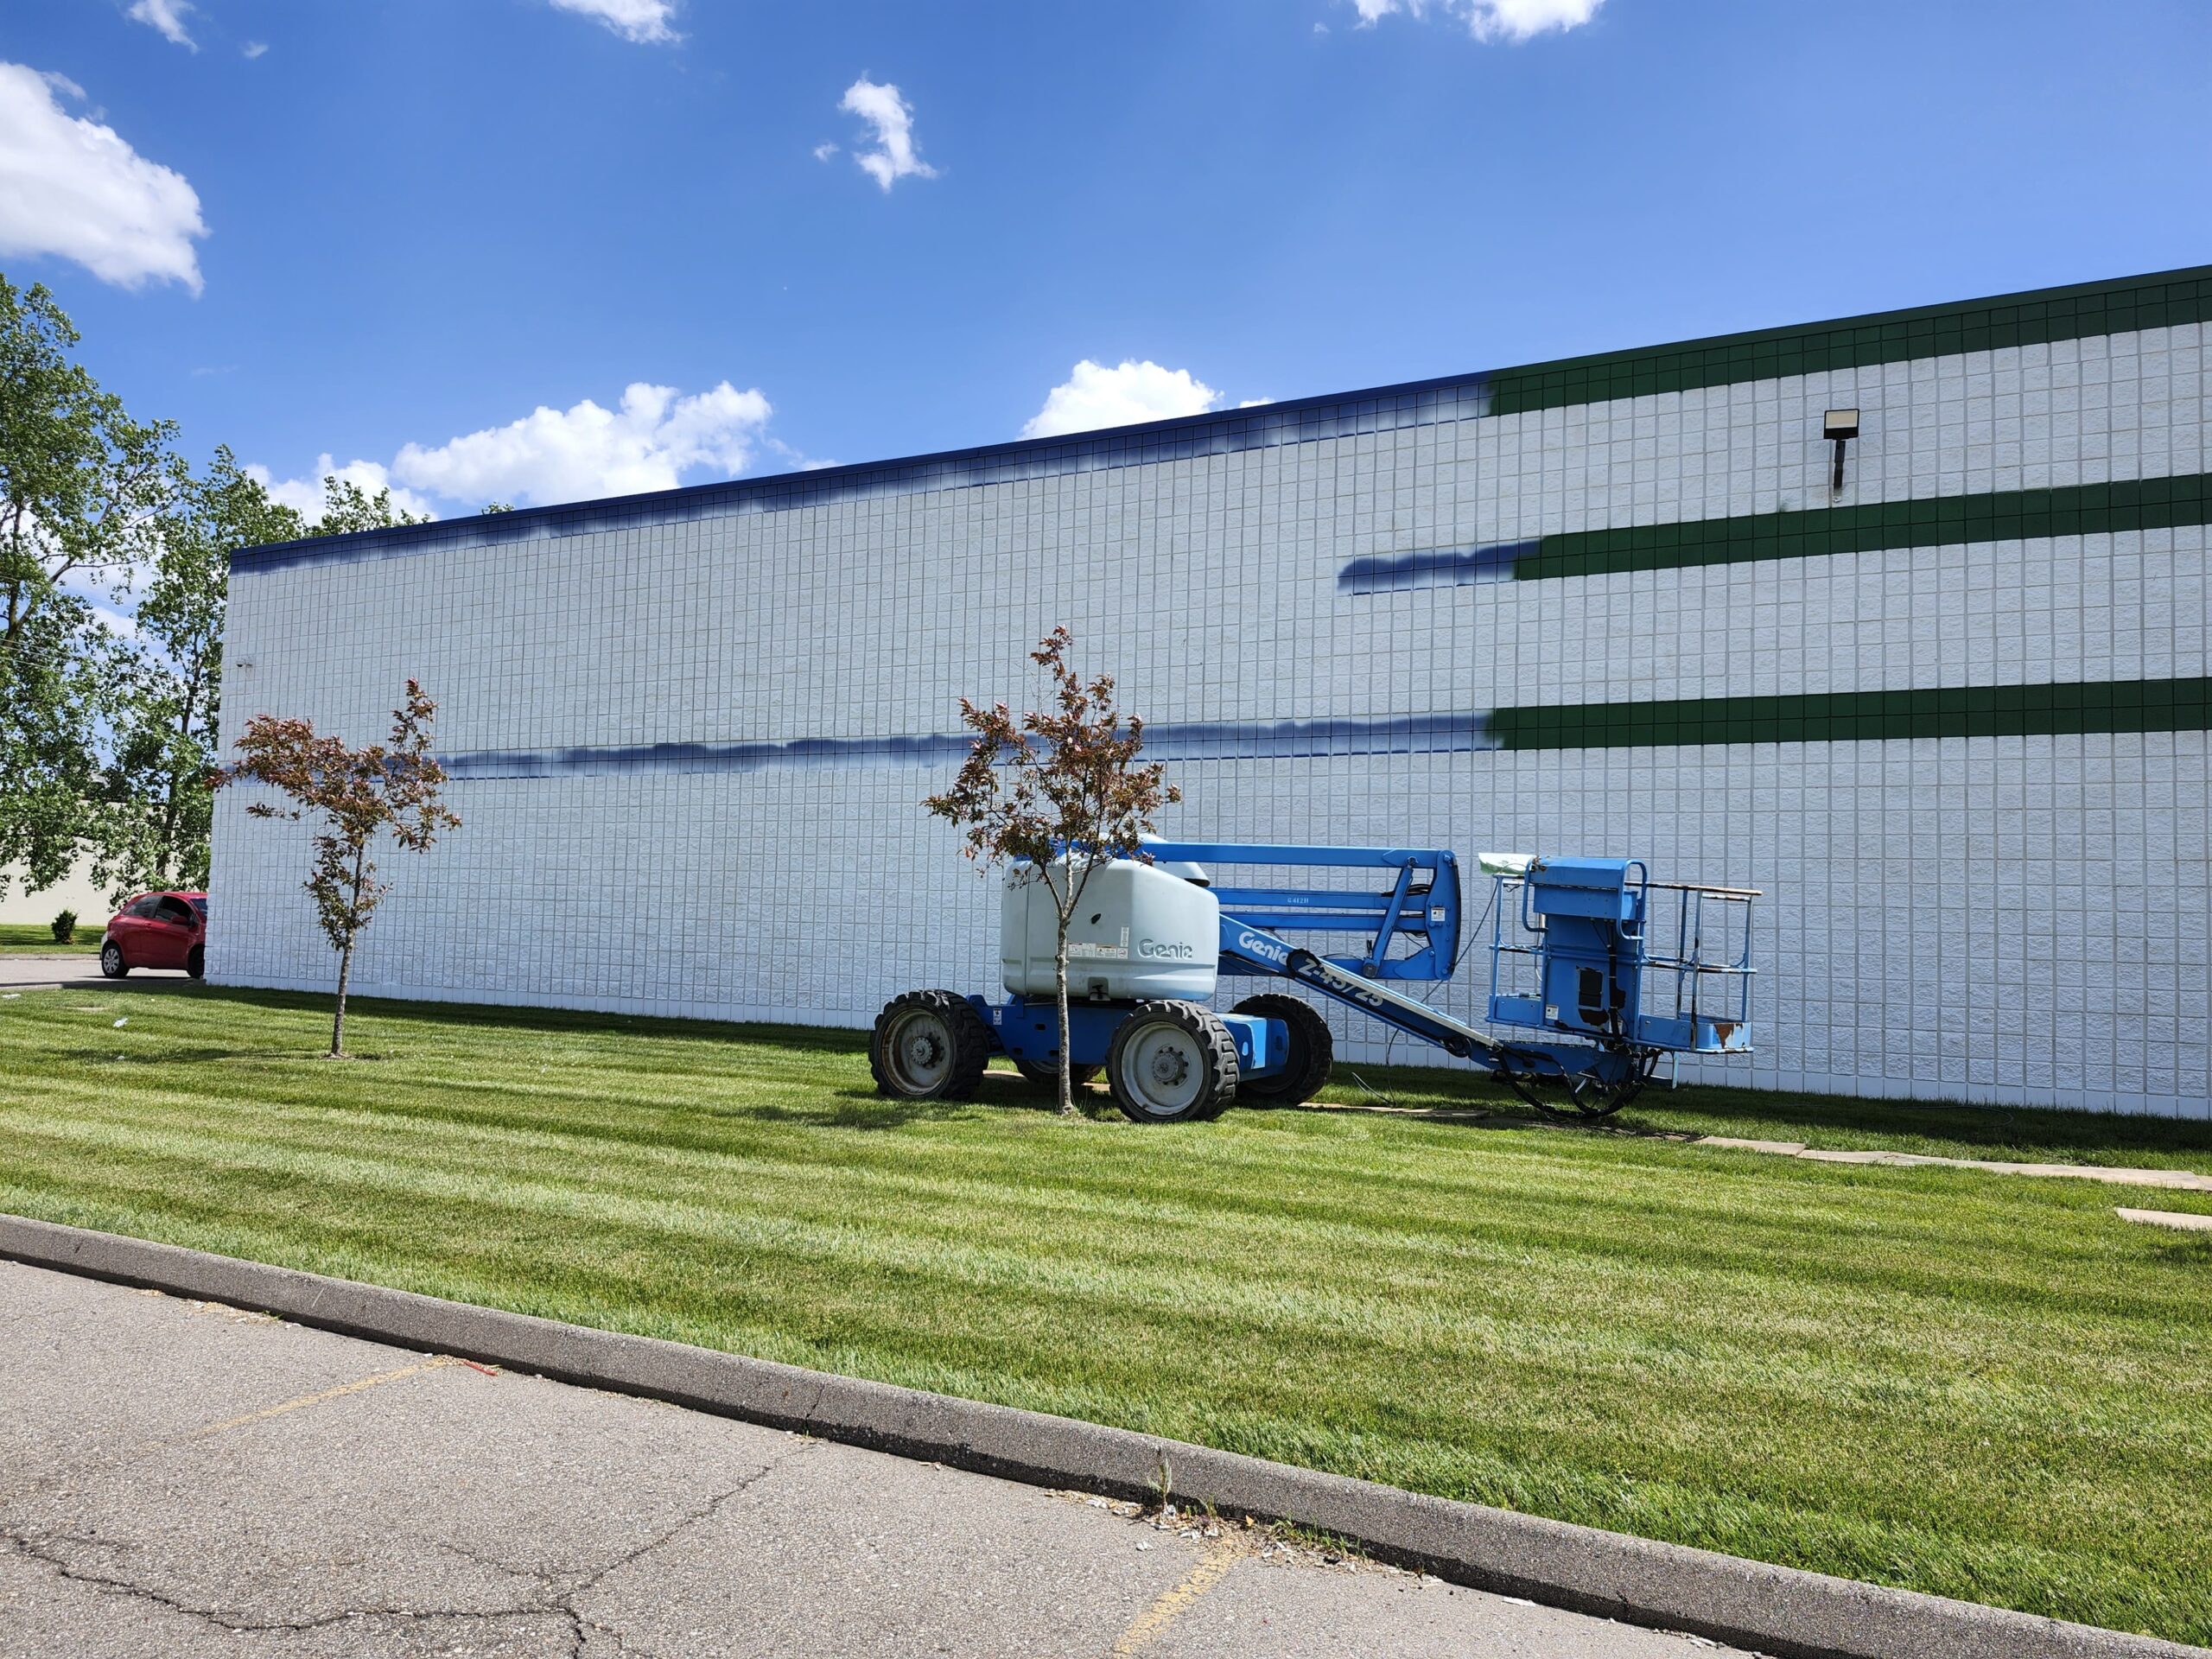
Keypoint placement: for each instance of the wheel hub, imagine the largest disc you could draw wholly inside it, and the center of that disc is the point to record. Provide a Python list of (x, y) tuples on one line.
[(1170, 1066), (924, 1050)]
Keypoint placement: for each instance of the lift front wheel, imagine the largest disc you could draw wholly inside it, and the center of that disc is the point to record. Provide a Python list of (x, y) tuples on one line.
[(1171, 1062), (929, 1045)]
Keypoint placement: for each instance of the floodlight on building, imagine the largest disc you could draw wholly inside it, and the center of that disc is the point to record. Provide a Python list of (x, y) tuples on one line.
[(1840, 425)]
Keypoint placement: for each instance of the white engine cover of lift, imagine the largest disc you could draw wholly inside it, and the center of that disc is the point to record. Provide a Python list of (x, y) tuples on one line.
[(1139, 932)]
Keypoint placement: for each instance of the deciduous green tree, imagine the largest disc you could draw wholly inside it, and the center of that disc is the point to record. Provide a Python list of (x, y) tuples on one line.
[(157, 807), (348, 507), (81, 484)]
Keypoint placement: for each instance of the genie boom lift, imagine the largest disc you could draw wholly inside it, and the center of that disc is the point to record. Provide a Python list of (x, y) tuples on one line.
[(1596, 973)]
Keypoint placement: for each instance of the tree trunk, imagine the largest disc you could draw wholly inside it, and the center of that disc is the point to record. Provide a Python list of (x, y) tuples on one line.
[(345, 953), (338, 1020), (1060, 985)]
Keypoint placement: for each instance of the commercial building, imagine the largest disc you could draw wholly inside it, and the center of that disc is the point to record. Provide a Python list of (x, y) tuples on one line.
[(1947, 706)]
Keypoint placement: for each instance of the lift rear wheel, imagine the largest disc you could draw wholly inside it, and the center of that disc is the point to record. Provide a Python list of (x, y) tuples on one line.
[(1313, 1051), (1046, 1074), (1583, 1098), (929, 1045), (1171, 1062)]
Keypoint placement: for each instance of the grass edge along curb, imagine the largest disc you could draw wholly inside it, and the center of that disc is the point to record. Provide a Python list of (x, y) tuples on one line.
[(1781, 1610)]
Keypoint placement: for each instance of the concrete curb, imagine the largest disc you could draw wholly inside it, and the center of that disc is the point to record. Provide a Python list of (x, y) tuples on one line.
[(1779, 1610)]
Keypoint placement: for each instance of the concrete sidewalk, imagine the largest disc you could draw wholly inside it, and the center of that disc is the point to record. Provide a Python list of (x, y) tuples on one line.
[(182, 1480)]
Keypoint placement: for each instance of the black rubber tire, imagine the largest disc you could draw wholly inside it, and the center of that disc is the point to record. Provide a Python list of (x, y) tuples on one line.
[(196, 961), (111, 962), (1313, 1051), (1046, 1076), (1209, 1050), (944, 1017)]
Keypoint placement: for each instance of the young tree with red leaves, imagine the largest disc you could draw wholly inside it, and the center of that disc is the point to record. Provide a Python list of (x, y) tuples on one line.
[(358, 794), (1061, 790)]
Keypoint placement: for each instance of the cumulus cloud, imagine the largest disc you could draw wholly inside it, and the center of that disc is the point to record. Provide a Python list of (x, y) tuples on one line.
[(167, 15), (649, 23), (647, 443), (892, 118), (304, 495), (72, 187), (1489, 20), (1095, 395)]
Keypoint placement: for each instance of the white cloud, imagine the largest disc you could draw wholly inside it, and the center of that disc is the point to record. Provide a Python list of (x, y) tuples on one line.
[(168, 16), (72, 187), (254, 48), (305, 495), (646, 22), (823, 152), (893, 118), (1095, 395), (1489, 20), (648, 443)]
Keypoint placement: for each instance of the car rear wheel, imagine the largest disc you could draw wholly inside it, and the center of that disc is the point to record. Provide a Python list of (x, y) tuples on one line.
[(111, 962)]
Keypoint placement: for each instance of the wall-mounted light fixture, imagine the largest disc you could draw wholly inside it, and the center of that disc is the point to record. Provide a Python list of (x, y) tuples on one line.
[(1842, 426)]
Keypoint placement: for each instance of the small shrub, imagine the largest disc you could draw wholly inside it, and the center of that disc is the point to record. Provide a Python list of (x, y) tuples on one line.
[(64, 927)]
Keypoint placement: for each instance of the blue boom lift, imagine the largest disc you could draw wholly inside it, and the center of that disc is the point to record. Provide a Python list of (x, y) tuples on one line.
[(1606, 971)]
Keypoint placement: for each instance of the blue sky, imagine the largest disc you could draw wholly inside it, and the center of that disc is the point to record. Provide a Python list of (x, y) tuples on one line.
[(425, 219)]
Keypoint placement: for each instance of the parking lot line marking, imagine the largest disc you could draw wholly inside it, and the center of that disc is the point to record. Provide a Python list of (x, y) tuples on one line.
[(1157, 1617), (355, 1387)]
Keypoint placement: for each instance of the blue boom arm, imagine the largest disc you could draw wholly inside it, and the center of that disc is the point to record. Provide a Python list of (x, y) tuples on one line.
[(1414, 925), (1413, 922)]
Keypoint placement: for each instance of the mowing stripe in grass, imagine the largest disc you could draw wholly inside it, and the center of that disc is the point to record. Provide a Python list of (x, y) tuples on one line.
[(1960, 1383)]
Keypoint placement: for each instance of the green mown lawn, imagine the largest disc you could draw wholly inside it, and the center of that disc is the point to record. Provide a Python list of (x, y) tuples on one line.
[(1980, 1386), (36, 939)]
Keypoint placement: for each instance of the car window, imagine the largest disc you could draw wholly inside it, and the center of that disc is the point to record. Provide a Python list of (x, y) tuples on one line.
[(200, 905), (176, 910), (145, 908)]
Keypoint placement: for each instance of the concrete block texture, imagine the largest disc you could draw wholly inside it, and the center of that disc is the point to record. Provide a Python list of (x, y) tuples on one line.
[(691, 733)]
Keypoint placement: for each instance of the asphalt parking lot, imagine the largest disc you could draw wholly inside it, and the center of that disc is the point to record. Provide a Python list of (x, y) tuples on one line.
[(44, 973), (184, 1480)]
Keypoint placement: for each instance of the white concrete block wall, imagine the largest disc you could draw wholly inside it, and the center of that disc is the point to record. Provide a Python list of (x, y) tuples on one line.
[(1996, 919)]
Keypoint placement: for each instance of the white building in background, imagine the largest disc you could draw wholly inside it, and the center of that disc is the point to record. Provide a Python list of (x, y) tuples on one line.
[(73, 892), (1951, 715)]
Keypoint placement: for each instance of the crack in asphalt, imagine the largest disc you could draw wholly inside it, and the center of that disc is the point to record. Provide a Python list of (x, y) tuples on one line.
[(29, 1549), (559, 1590)]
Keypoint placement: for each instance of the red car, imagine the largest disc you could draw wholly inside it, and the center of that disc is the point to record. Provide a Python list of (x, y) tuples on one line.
[(157, 929)]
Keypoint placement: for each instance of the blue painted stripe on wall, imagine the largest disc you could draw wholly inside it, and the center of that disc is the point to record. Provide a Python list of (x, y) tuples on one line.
[(1441, 567), (1308, 420), (1195, 740)]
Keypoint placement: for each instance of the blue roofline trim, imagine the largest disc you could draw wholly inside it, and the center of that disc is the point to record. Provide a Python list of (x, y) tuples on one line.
[(2071, 311), (1220, 432)]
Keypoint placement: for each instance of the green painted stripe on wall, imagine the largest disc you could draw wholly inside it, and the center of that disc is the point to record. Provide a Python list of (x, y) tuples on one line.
[(2009, 515), (1864, 716), (2165, 300)]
